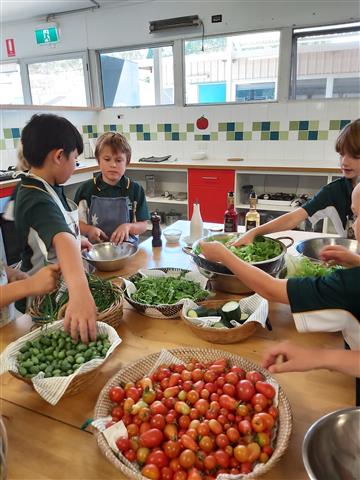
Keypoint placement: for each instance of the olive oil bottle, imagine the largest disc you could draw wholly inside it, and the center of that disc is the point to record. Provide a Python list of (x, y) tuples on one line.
[(252, 218)]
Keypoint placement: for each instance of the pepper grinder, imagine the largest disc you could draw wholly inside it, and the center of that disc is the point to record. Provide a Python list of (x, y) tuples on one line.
[(156, 230)]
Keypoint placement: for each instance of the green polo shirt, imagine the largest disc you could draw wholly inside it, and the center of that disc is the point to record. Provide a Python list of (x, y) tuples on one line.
[(332, 201), (37, 217), (125, 187), (329, 303)]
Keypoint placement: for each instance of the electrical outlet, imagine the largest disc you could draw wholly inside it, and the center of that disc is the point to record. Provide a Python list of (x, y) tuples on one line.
[(216, 18)]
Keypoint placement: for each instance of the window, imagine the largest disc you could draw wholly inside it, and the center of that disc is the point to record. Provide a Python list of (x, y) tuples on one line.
[(10, 84), (326, 62), (59, 82), (237, 68), (138, 77)]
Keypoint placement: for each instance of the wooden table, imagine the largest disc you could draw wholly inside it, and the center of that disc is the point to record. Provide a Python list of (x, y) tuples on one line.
[(45, 442)]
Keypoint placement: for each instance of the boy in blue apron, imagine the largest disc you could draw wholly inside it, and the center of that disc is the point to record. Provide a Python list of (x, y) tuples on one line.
[(328, 304), (111, 206), (47, 222), (332, 201)]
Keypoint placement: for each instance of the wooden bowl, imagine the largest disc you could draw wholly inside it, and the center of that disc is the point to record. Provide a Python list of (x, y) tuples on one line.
[(221, 335)]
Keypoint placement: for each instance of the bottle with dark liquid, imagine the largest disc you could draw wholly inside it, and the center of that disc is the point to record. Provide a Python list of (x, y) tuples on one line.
[(230, 215), (252, 218), (156, 230)]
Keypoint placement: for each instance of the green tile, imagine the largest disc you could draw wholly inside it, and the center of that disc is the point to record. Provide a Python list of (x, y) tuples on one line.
[(160, 127), (275, 126), (239, 126), (106, 128), (293, 125), (256, 126), (153, 136), (198, 137), (323, 135), (119, 128), (132, 127), (230, 135), (84, 129), (214, 136), (247, 135), (314, 125), (303, 135), (222, 127), (189, 127), (2, 144), (146, 127), (265, 135), (283, 135), (139, 136), (126, 135), (182, 136), (168, 136), (174, 127), (334, 125)]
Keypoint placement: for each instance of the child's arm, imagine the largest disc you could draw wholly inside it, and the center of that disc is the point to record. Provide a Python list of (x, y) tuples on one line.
[(262, 283), (340, 255), (299, 359), (80, 313), (288, 221), (94, 234), (43, 281), (122, 232)]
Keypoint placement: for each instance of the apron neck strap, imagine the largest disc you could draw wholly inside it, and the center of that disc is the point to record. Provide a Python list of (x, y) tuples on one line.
[(95, 180)]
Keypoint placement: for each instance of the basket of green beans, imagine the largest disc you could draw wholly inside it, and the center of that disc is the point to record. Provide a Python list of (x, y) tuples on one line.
[(107, 294)]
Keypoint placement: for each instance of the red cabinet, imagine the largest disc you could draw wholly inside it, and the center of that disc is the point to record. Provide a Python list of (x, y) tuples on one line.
[(210, 188)]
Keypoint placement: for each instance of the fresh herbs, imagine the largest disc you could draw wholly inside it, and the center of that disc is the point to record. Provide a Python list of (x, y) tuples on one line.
[(304, 267), (166, 290)]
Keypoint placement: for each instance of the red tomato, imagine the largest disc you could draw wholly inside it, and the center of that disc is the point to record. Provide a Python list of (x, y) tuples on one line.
[(166, 473), (254, 451), (163, 373), (241, 453), (185, 375), (144, 414), (231, 377), (268, 450), (130, 455), (254, 376), (133, 392), (151, 438), (206, 444), (233, 434), (158, 421), (158, 458), (180, 475), (203, 429), (228, 402), (184, 421), (202, 406), (199, 385), (222, 458), (187, 458), (239, 371), (261, 400), (189, 443), (215, 426), (273, 411), (210, 462), (209, 376), (196, 375), (194, 474), (245, 390), (174, 379), (244, 427), (158, 407), (182, 407), (151, 471), (258, 423), (123, 444), (268, 419), (242, 410), (246, 467), (187, 385), (205, 393), (263, 439), (116, 394), (144, 427), (210, 387), (222, 440), (192, 396), (117, 413), (229, 389), (266, 389), (170, 431), (172, 448), (132, 430)]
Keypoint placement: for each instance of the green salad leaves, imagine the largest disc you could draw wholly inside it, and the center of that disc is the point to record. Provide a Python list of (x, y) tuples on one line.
[(304, 267)]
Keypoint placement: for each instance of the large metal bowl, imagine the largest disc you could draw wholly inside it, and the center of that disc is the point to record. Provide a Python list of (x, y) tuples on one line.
[(331, 448), (311, 248), (108, 256), (225, 283)]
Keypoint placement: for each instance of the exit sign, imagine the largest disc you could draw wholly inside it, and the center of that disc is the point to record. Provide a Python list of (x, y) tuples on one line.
[(48, 34)]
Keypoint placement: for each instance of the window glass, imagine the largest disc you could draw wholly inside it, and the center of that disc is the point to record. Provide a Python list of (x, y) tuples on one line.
[(59, 82), (10, 84), (327, 63), (237, 68), (138, 77)]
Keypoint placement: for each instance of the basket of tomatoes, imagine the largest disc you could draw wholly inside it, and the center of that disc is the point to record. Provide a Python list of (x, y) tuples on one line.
[(202, 414)]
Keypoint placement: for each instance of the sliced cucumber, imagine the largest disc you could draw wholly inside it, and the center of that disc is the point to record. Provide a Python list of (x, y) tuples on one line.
[(201, 311), (218, 325), (191, 313), (212, 312), (244, 317), (230, 311)]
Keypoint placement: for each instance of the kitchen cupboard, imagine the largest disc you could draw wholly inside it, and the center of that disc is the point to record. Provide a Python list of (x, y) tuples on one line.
[(210, 187)]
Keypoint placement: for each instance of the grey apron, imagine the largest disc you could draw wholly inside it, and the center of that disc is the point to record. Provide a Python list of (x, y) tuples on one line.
[(107, 213)]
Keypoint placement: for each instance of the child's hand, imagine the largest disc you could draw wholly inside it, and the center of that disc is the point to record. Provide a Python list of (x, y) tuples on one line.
[(80, 316), (295, 358), (245, 239), (13, 275), (213, 251), (96, 235), (340, 255), (45, 280), (121, 233), (85, 244)]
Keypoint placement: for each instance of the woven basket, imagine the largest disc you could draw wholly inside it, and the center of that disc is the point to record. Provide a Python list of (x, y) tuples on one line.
[(156, 311), (136, 370), (221, 335), (111, 315)]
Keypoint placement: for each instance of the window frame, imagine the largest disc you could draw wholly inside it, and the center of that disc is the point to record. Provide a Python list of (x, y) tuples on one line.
[(24, 68), (99, 52), (313, 31), (232, 34)]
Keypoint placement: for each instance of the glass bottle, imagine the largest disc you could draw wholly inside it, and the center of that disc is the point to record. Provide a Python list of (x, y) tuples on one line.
[(156, 230), (252, 218), (230, 215), (196, 224)]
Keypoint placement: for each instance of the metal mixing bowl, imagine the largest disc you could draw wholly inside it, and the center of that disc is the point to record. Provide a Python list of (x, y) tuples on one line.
[(331, 448), (311, 248), (108, 256)]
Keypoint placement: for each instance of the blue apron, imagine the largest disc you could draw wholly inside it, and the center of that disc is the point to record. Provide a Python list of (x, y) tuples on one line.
[(108, 213)]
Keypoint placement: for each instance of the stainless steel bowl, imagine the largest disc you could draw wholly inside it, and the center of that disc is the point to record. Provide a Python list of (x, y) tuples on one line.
[(311, 248), (331, 448), (225, 283), (108, 257)]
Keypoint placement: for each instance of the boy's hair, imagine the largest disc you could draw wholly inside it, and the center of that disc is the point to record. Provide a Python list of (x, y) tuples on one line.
[(46, 132), (116, 142), (348, 140)]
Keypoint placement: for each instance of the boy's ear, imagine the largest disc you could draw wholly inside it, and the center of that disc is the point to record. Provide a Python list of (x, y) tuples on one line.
[(58, 155)]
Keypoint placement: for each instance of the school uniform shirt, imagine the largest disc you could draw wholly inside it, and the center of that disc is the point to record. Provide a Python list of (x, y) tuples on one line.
[(37, 220), (125, 187), (328, 304), (332, 201)]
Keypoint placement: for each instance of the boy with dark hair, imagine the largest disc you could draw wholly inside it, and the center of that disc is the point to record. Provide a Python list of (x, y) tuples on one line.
[(111, 206), (46, 221)]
